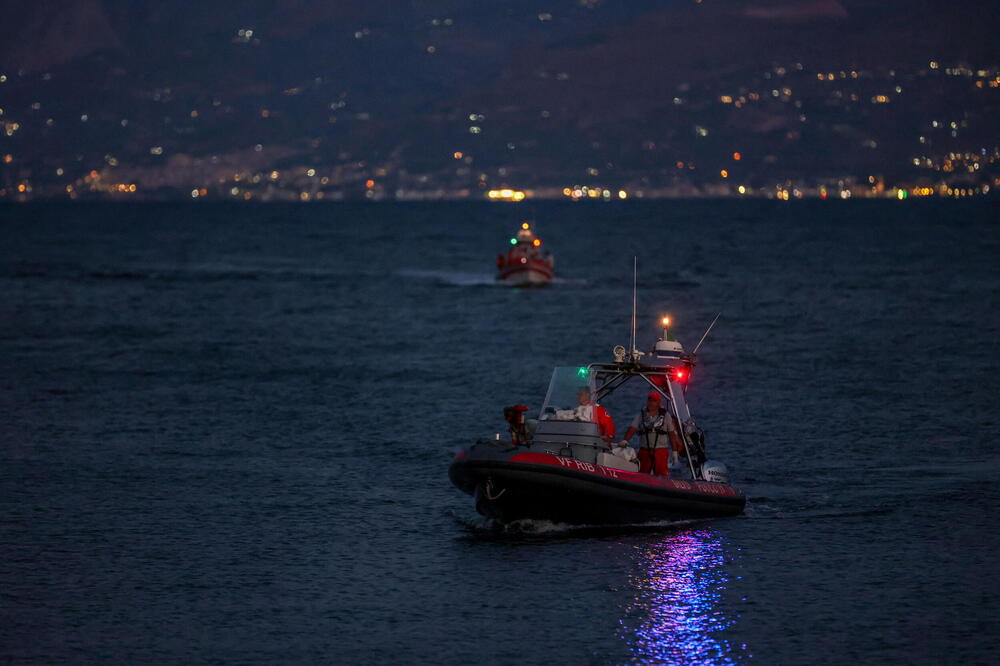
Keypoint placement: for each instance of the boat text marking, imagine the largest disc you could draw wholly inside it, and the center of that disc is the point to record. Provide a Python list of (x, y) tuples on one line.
[(587, 467)]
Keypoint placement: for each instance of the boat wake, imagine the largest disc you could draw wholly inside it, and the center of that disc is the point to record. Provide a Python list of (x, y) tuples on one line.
[(451, 278), (758, 509), (463, 279), (488, 529)]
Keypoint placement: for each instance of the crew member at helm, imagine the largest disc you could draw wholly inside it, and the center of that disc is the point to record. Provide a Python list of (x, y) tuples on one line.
[(587, 411), (658, 436)]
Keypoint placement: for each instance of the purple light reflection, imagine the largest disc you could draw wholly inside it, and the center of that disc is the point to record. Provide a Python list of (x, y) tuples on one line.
[(675, 615)]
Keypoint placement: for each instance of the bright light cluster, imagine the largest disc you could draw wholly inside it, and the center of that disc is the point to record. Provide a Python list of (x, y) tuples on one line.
[(506, 194)]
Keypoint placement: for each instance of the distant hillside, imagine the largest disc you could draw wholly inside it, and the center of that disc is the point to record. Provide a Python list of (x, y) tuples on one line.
[(605, 92)]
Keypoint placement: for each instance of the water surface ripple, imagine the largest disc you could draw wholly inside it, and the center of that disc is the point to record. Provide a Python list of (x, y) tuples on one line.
[(226, 433)]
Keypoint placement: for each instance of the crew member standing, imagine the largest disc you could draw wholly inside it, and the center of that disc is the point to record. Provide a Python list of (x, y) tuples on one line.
[(658, 436)]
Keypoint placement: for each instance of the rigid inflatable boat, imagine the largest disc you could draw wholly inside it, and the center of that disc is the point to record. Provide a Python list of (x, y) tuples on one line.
[(559, 468)]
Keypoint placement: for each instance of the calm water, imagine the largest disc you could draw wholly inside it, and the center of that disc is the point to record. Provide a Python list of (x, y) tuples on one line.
[(225, 433)]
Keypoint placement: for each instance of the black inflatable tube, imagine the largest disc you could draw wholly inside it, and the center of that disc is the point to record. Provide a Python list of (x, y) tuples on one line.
[(525, 490)]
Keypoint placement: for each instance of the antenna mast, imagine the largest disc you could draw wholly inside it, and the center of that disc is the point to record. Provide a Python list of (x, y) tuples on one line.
[(698, 346), (635, 273)]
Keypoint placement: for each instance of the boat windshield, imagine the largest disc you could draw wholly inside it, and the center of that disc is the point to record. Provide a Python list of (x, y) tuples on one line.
[(563, 396)]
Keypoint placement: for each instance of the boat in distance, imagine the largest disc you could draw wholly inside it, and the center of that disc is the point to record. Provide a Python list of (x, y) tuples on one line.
[(560, 468), (524, 264)]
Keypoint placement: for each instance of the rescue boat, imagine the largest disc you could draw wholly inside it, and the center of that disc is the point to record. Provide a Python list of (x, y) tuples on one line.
[(557, 467), (525, 264)]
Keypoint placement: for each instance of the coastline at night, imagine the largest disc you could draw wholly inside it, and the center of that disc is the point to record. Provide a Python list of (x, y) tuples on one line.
[(303, 102)]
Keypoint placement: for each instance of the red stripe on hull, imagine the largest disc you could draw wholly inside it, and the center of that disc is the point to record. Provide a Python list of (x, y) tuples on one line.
[(623, 475)]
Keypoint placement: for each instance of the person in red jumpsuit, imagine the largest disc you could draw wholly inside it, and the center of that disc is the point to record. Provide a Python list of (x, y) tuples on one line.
[(591, 412)]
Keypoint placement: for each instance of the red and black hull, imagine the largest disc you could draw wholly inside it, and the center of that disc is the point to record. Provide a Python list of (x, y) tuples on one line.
[(517, 483)]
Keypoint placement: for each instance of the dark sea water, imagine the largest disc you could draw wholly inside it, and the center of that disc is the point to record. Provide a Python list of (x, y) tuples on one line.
[(225, 433)]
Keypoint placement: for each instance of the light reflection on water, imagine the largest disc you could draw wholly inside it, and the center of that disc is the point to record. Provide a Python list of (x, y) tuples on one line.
[(675, 615)]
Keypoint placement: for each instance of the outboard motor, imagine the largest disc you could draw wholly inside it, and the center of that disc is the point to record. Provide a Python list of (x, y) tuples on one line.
[(715, 472)]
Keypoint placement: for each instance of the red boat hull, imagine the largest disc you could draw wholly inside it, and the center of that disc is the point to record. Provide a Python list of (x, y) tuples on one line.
[(525, 274)]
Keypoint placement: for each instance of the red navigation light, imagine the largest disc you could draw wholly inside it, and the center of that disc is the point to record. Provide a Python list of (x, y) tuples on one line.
[(680, 374)]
